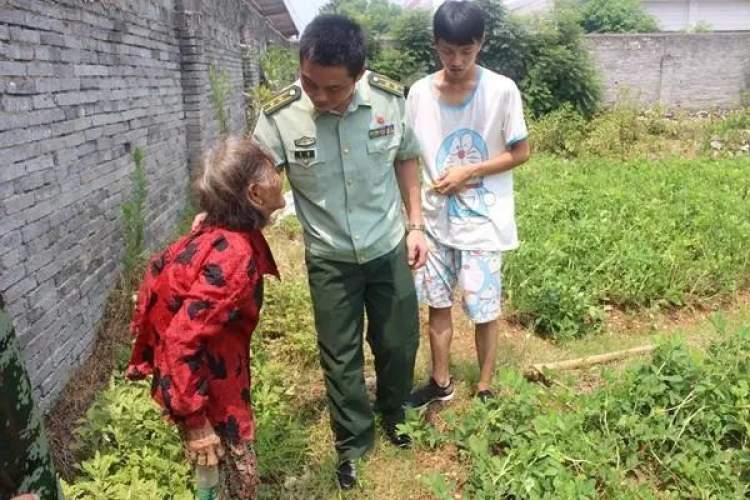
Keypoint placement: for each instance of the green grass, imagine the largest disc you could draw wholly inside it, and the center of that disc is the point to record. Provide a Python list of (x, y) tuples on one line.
[(675, 426), (598, 234)]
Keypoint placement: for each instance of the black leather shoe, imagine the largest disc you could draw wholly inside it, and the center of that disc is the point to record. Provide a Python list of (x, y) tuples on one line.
[(346, 473)]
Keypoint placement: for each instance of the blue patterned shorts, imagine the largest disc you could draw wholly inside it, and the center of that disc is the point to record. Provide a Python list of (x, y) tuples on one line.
[(477, 272)]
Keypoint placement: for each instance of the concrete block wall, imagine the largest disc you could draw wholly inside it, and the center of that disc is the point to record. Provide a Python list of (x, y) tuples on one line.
[(82, 83), (698, 71)]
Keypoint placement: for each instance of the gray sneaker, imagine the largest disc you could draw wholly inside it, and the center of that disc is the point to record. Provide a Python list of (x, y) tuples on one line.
[(430, 392)]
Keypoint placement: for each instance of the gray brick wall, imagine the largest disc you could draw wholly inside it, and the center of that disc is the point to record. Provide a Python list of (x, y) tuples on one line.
[(82, 83), (698, 71)]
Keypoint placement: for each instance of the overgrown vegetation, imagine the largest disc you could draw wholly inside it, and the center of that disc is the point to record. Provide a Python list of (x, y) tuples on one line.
[(220, 89), (279, 66), (616, 16), (676, 426), (598, 234), (626, 131), (134, 216)]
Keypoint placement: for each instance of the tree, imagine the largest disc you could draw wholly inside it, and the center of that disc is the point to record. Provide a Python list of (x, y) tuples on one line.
[(616, 16), (411, 55), (375, 16)]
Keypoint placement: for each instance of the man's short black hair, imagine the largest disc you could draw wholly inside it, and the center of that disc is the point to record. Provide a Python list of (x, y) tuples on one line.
[(459, 23), (333, 40)]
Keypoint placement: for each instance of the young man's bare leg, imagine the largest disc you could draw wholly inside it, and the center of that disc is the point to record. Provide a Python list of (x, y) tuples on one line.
[(485, 339), (441, 333)]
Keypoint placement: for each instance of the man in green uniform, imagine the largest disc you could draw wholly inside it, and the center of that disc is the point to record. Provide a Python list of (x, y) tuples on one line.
[(25, 465), (340, 134)]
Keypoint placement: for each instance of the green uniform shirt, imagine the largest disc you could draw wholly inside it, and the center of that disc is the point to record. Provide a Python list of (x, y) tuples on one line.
[(341, 169)]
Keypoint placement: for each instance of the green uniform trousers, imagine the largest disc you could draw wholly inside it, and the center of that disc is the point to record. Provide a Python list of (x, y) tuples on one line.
[(341, 293), (25, 464)]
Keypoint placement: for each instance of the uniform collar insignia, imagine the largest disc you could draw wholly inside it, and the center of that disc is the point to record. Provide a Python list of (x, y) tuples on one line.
[(305, 142)]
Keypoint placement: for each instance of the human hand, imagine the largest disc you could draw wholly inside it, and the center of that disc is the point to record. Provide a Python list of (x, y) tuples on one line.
[(453, 180), (203, 445), (26, 496), (198, 220), (416, 246)]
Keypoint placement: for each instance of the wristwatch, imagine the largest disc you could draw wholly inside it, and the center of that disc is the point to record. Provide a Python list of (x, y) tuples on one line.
[(415, 227)]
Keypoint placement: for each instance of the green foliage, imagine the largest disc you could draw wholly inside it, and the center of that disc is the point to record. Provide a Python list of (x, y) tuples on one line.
[(616, 133), (281, 439), (220, 89), (598, 234), (559, 68), (287, 325), (413, 55), (507, 41), (280, 66), (134, 218), (559, 132), (135, 453), (375, 16), (677, 425), (616, 16), (729, 135)]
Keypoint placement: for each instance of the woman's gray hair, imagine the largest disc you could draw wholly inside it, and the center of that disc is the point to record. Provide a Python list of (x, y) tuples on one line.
[(221, 185)]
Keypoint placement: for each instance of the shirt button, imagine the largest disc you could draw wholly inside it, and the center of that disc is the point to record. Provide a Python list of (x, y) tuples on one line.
[(349, 183), (346, 151), (356, 236)]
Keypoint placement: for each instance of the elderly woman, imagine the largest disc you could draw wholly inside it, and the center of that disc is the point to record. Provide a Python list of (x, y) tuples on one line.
[(197, 308)]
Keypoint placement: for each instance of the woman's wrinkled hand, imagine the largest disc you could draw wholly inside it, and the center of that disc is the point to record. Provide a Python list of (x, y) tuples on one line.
[(203, 446)]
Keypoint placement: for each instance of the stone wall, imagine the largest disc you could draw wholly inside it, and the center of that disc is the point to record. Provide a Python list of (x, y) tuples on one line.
[(697, 71), (82, 83)]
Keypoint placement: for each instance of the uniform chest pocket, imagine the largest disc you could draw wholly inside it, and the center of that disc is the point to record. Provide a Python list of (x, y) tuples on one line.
[(383, 149), (305, 170), (303, 158)]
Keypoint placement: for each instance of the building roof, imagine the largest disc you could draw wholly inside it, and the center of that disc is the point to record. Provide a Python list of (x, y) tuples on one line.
[(278, 15)]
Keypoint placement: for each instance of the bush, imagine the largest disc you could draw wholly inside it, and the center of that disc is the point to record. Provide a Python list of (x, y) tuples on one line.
[(615, 133), (279, 68), (559, 68), (559, 132), (413, 55), (616, 16)]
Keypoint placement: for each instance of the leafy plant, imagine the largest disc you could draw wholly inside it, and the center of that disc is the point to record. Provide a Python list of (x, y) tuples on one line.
[(559, 132), (599, 234), (676, 425), (134, 217), (279, 66), (287, 323), (220, 89), (616, 16)]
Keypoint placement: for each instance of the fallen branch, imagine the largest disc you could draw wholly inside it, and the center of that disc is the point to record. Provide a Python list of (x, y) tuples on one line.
[(535, 372)]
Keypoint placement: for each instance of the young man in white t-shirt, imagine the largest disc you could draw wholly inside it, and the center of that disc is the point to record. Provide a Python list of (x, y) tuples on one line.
[(470, 126)]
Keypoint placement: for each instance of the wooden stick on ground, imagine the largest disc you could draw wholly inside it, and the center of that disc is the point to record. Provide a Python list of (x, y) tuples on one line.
[(535, 372)]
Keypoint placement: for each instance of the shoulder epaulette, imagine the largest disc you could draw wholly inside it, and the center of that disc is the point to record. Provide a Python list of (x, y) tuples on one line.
[(282, 99), (386, 84)]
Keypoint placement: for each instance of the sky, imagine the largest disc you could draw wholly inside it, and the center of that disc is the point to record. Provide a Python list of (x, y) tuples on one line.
[(303, 11)]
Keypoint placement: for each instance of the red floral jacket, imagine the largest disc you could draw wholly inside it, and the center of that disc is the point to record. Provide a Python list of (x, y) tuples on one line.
[(197, 308)]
